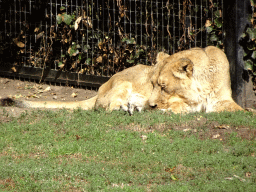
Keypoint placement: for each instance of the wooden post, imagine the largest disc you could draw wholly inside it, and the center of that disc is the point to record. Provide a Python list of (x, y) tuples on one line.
[(236, 19)]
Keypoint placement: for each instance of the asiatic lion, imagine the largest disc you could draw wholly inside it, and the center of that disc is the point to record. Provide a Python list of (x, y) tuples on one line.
[(188, 81)]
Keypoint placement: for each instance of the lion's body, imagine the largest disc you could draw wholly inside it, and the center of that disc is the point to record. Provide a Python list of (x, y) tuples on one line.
[(188, 81), (194, 80)]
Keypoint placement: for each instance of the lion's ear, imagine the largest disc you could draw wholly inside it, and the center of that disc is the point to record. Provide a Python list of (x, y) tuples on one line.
[(161, 56), (160, 62), (184, 68)]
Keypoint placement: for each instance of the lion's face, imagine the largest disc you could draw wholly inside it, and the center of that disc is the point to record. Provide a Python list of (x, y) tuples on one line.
[(171, 82)]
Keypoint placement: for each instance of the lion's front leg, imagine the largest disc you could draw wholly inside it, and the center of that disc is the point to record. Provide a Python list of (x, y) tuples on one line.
[(115, 98), (136, 102), (178, 107), (227, 105)]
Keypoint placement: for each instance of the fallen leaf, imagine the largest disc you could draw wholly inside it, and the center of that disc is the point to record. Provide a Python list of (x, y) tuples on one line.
[(17, 96), (40, 91), (199, 118), (188, 129), (47, 89), (33, 96), (170, 169), (216, 136), (222, 127), (248, 174), (173, 178), (229, 178), (54, 97), (143, 137), (241, 179), (77, 137), (74, 94)]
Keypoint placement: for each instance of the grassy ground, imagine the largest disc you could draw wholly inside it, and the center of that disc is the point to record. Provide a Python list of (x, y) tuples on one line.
[(149, 151)]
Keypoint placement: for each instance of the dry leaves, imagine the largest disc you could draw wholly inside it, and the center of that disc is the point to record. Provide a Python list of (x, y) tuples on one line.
[(143, 137), (222, 127), (47, 89), (14, 69), (74, 94), (77, 22), (216, 136)]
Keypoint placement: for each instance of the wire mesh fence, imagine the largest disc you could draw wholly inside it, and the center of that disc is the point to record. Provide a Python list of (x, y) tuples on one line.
[(102, 37)]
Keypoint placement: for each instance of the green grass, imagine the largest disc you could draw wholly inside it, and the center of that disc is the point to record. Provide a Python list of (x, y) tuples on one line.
[(149, 151)]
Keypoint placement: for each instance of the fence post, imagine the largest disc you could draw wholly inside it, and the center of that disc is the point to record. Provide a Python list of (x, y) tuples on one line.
[(236, 19)]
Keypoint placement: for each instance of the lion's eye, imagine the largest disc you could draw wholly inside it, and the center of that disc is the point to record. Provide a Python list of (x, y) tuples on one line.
[(163, 87)]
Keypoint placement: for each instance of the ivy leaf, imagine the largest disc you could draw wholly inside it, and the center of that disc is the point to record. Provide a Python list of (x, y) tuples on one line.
[(62, 8), (131, 41), (86, 48), (61, 65), (251, 46), (243, 35), (252, 33), (213, 38), (72, 51), (124, 39), (248, 64), (80, 57), (129, 60), (209, 29), (254, 54), (67, 19), (88, 61), (217, 14), (218, 22), (59, 19)]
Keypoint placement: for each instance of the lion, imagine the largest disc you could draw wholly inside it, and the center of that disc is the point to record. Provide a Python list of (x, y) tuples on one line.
[(195, 80)]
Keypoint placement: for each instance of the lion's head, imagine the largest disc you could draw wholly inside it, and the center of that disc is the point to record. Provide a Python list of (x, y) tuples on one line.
[(172, 81)]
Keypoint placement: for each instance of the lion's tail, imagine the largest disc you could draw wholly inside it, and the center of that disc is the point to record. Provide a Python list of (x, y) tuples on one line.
[(85, 104)]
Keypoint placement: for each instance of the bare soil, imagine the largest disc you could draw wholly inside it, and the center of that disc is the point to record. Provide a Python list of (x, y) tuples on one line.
[(33, 91)]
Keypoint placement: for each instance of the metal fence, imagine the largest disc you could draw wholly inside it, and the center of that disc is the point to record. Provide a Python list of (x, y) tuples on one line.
[(97, 38)]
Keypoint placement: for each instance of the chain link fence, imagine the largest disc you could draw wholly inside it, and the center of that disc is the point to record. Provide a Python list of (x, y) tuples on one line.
[(97, 38)]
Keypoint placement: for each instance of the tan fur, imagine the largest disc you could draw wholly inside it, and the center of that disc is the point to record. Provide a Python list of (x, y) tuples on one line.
[(193, 80), (188, 81)]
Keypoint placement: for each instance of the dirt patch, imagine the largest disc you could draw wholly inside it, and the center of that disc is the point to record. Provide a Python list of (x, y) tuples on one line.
[(36, 92), (201, 127), (214, 130)]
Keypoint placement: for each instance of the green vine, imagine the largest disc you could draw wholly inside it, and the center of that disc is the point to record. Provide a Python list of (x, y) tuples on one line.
[(215, 29), (248, 42)]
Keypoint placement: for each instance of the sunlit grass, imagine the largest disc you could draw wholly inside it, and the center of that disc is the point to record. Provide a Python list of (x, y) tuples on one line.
[(96, 150)]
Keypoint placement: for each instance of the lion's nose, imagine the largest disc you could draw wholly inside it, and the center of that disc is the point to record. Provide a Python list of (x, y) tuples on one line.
[(153, 105)]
